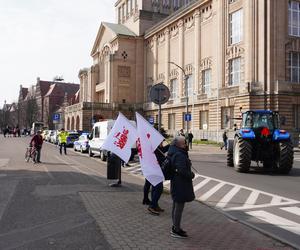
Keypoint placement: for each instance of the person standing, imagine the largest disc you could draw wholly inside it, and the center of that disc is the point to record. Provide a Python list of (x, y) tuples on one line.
[(157, 190), (182, 190), (225, 140), (37, 143), (62, 138), (190, 140)]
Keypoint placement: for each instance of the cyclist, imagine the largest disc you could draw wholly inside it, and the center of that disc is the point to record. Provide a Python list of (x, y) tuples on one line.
[(37, 142)]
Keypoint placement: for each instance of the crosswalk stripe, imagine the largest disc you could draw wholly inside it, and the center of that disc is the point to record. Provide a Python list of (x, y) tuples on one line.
[(201, 184), (209, 193), (276, 221), (225, 200), (132, 168), (293, 210), (276, 200), (252, 198)]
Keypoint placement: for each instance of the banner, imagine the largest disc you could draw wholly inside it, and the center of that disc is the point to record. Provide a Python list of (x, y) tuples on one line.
[(121, 138), (148, 140)]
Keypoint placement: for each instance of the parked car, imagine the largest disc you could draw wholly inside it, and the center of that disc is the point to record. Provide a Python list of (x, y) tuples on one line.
[(54, 137), (48, 135), (82, 144), (72, 137)]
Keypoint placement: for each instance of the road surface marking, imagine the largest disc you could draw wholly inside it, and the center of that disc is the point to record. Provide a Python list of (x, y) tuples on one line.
[(209, 193), (225, 200), (4, 162), (201, 184), (293, 210), (48, 172), (276, 200), (252, 198), (3, 175), (277, 221)]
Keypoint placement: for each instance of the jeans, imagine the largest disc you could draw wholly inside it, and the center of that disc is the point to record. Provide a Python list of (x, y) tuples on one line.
[(146, 190), (65, 148), (225, 144), (155, 194), (38, 154), (177, 214)]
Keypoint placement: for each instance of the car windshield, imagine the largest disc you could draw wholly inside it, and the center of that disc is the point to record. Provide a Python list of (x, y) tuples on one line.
[(258, 120)]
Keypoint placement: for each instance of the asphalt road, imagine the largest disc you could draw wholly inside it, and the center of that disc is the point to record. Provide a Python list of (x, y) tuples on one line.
[(40, 207)]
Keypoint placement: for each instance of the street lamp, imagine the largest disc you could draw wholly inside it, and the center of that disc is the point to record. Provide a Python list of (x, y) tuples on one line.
[(186, 77)]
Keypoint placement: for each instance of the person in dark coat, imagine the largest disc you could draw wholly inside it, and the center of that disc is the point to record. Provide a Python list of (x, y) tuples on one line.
[(182, 190), (114, 169), (37, 143), (190, 140), (225, 140)]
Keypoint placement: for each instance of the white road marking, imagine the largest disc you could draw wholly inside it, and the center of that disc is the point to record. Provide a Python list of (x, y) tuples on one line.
[(4, 162), (277, 221), (245, 207), (226, 199), (209, 193), (276, 200), (252, 198), (201, 184), (293, 210)]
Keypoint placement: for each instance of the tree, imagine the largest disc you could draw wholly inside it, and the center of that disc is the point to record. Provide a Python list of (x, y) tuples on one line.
[(31, 111)]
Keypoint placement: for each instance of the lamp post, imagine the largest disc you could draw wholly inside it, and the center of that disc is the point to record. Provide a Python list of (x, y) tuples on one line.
[(186, 77)]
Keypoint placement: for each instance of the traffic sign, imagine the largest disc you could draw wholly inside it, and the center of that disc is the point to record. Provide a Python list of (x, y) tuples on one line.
[(187, 117), (151, 120), (56, 117), (159, 94)]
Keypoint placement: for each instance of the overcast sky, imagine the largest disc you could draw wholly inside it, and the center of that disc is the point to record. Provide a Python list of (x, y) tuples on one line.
[(45, 38)]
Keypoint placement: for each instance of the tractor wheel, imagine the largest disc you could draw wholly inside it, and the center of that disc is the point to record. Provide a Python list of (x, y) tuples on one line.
[(230, 154), (286, 157), (242, 153)]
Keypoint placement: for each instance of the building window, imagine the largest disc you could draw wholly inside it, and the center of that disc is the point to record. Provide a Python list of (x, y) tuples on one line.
[(227, 114), (206, 81), (120, 15), (173, 89), (294, 18), (176, 4), (190, 83), (203, 120), (296, 115), (184, 122), (232, 1), (234, 71), (294, 66), (236, 27), (171, 121)]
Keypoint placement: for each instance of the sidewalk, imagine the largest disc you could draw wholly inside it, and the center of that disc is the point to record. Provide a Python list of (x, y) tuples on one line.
[(126, 224)]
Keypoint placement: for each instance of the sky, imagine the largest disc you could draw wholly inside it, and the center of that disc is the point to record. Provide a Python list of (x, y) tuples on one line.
[(47, 38)]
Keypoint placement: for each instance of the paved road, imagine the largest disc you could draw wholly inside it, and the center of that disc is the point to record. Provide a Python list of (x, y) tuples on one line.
[(264, 200), (41, 206)]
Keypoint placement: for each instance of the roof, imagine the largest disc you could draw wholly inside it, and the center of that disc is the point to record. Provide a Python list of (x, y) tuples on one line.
[(119, 29), (60, 88)]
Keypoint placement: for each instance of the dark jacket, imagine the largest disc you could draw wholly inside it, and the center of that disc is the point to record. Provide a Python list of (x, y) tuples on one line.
[(225, 137), (37, 141), (182, 182), (190, 137)]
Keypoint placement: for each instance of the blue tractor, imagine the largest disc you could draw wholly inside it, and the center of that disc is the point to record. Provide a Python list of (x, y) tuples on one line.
[(261, 140)]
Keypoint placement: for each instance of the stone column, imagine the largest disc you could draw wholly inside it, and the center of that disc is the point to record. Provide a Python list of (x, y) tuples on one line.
[(197, 49), (155, 57), (167, 56), (180, 62)]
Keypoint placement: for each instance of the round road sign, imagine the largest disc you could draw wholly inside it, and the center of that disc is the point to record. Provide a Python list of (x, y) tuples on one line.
[(159, 94)]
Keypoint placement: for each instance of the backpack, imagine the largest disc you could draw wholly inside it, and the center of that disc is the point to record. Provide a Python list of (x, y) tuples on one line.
[(167, 168)]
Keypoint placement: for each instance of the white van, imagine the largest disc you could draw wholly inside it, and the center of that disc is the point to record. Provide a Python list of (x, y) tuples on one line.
[(98, 135)]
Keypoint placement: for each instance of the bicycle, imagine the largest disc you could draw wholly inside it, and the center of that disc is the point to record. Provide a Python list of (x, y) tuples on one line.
[(30, 154)]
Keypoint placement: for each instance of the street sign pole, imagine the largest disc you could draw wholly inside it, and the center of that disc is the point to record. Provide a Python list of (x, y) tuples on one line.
[(187, 101)]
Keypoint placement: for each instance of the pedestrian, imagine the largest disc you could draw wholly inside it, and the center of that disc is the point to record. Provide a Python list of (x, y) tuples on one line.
[(37, 143), (225, 140), (157, 190), (182, 190), (62, 138), (114, 169), (190, 140), (180, 133), (147, 186)]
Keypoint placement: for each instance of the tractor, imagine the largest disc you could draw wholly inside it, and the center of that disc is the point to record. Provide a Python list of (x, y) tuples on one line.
[(261, 140)]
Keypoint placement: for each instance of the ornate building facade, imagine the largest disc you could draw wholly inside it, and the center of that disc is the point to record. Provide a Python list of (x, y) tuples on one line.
[(234, 55)]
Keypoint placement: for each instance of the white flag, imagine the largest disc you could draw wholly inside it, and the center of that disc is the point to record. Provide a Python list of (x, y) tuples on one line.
[(121, 138), (147, 142)]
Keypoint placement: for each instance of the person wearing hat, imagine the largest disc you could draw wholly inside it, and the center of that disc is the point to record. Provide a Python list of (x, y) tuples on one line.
[(62, 138)]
